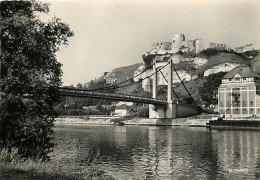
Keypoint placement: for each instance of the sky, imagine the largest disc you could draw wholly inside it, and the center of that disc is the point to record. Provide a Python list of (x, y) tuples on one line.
[(111, 34)]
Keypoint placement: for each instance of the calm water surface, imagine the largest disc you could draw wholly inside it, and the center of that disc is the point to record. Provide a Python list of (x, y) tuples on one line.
[(149, 152)]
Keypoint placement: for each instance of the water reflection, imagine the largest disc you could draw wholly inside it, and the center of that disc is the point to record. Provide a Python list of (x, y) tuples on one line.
[(143, 152)]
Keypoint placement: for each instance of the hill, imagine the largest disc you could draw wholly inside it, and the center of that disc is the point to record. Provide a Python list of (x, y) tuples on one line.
[(192, 67), (218, 59), (121, 73)]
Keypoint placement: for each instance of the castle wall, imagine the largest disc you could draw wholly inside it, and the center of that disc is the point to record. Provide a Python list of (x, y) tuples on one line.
[(198, 46), (177, 40), (178, 43), (162, 45), (218, 46)]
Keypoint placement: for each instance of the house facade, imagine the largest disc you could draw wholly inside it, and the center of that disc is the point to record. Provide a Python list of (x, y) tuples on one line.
[(122, 110), (239, 93)]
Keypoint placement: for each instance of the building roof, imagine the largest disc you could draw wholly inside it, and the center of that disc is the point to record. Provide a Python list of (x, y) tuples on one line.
[(255, 64), (122, 107), (243, 71)]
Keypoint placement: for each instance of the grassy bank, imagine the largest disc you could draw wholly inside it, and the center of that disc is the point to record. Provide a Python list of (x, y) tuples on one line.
[(13, 167)]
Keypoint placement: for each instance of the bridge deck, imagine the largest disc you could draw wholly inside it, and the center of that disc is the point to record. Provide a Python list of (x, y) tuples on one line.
[(112, 96)]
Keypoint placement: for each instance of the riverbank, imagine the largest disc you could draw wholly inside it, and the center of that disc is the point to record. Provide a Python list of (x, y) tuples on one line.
[(82, 121), (199, 120), (13, 167)]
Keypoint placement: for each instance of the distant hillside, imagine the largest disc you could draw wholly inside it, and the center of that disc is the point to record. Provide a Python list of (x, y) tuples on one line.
[(190, 66), (220, 58), (197, 63), (121, 73)]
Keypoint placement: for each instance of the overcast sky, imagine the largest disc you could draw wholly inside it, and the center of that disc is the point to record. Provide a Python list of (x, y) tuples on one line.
[(114, 34)]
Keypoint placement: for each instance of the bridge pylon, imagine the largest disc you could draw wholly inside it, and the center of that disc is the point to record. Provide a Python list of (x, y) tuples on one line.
[(171, 110), (168, 111)]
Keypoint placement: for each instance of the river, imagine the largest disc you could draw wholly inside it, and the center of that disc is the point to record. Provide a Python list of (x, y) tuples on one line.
[(152, 152)]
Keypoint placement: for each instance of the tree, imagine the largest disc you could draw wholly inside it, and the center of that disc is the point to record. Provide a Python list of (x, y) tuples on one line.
[(209, 90), (79, 85), (30, 75)]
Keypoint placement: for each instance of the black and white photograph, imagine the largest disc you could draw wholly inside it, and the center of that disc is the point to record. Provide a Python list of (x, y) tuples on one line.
[(129, 89)]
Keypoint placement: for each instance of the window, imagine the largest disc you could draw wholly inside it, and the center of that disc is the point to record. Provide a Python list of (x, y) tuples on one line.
[(251, 111), (237, 79), (221, 104), (244, 111), (251, 103), (228, 103), (228, 111), (236, 111), (236, 104)]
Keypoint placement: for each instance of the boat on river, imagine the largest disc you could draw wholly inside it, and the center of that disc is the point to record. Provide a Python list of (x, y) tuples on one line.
[(119, 123)]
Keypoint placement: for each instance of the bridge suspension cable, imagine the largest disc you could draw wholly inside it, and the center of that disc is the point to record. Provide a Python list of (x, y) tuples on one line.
[(172, 89), (183, 85), (143, 78), (108, 87), (117, 87)]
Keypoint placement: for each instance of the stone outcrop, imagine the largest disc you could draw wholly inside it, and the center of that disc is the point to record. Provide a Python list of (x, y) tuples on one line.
[(188, 68)]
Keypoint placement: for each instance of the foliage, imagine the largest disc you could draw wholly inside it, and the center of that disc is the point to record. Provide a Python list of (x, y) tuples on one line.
[(252, 53), (13, 166), (187, 100), (211, 52), (138, 91), (74, 106), (209, 90), (142, 111), (139, 110), (30, 75), (148, 59), (162, 92), (180, 53)]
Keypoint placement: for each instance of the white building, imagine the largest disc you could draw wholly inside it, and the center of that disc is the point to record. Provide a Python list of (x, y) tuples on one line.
[(122, 110), (239, 93)]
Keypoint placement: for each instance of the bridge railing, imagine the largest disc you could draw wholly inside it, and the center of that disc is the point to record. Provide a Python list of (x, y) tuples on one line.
[(85, 91)]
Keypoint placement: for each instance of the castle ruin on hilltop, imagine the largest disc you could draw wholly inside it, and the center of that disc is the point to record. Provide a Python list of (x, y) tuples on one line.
[(178, 43)]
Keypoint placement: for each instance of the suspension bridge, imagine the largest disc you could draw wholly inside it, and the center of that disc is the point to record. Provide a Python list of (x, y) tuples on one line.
[(173, 107)]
